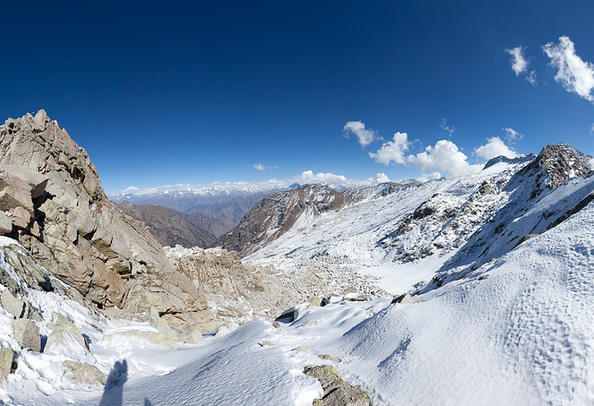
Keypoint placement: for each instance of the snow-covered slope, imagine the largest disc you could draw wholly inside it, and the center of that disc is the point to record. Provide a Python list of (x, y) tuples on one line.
[(393, 226), (277, 213), (408, 232)]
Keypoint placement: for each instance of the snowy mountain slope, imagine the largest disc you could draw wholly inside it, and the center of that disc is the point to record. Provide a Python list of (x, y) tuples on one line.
[(540, 196), (438, 225), (516, 331), (365, 234), (515, 224), (277, 213)]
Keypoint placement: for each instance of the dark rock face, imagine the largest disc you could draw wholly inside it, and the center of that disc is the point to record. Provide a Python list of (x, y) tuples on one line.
[(168, 225), (277, 213)]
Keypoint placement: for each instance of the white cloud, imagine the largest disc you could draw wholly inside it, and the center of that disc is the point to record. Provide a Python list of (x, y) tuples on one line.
[(519, 64), (130, 189), (531, 78), (364, 136), (444, 156), (261, 167), (382, 178), (445, 127), (495, 147), (429, 176), (592, 129), (310, 177), (512, 135), (392, 150), (574, 74)]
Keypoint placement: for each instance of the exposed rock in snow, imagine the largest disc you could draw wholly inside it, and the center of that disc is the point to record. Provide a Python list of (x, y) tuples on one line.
[(11, 304), (238, 291), (65, 333), (277, 213), (85, 373), (6, 355), (336, 391), (61, 214)]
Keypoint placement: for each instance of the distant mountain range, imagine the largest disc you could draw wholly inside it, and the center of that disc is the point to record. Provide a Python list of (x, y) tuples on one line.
[(190, 218), (188, 201)]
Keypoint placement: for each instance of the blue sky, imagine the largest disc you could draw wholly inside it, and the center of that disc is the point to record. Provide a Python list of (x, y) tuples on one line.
[(198, 92)]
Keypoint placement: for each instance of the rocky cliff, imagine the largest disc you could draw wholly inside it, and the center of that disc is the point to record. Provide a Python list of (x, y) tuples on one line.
[(277, 213), (51, 200)]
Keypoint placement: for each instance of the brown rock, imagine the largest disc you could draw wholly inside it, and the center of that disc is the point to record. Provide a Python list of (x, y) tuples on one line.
[(21, 218)]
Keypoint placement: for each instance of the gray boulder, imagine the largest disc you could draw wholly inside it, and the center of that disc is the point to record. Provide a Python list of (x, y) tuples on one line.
[(11, 304), (26, 333), (84, 373), (5, 224), (6, 356), (336, 391)]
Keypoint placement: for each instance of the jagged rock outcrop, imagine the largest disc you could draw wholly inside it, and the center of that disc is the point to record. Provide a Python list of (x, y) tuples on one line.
[(52, 193), (168, 225), (277, 213), (555, 164), (523, 212)]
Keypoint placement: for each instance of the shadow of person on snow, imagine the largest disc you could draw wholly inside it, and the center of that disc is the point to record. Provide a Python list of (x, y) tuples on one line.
[(114, 387)]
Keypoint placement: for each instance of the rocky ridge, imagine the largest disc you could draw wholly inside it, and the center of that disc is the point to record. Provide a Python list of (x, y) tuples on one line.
[(52, 195), (52, 203), (277, 213)]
